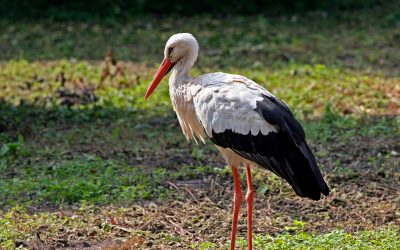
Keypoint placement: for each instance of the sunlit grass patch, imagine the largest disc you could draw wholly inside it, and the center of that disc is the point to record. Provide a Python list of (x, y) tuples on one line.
[(38, 89), (386, 238)]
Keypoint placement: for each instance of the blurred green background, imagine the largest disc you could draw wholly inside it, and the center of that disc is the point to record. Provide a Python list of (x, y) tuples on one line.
[(86, 162), (78, 10)]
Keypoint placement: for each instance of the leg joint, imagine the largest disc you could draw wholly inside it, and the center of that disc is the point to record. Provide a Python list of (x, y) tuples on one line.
[(250, 194)]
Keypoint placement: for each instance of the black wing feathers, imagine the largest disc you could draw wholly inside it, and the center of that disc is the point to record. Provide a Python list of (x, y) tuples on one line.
[(285, 153), (276, 112)]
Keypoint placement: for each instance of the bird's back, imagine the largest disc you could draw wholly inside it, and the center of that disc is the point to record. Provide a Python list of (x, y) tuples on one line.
[(242, 116)]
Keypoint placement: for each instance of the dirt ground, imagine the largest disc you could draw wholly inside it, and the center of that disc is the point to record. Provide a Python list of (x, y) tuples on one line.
[(363, 197)]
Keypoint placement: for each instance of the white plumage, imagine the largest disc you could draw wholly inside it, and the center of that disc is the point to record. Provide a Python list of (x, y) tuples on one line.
[(227, 102), (219, 102)]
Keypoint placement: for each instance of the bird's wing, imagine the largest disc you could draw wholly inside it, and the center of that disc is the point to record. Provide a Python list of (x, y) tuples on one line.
[(224, 101), (239, 114)]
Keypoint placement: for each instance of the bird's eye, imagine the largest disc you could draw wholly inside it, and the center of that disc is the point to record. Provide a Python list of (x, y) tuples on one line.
[(170, 50)]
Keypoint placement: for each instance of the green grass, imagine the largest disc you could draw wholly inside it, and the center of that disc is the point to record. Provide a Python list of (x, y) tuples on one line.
[(359, 39), (124, 126), (387, 238), (305, 88), (89, 179), (44, 174)]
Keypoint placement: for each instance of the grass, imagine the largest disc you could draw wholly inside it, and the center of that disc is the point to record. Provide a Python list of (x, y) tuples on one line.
[(16, 221), (364, 39), (382, 239), (85, 161), (38, 84), (89, 179), (387, 238)]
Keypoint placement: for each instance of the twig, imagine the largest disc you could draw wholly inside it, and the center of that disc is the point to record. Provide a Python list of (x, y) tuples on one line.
[(191, 194), (123, 229), (180, 229), (174, 186)]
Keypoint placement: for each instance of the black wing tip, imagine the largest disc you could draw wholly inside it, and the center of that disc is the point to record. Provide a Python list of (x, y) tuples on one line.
[(322, 187), (316, 195), (326, 191)]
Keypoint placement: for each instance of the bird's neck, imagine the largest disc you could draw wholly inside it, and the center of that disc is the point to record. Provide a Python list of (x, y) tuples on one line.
[(178, 88), (178, 78), (180, 72)]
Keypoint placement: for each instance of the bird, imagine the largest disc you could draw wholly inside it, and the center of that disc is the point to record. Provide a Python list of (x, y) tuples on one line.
[(249, 126)]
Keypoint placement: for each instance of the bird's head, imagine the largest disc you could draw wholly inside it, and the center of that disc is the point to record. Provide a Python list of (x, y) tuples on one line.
[(180, 52), (181, 46)]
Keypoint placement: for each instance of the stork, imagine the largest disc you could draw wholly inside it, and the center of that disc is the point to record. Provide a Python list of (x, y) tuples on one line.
[(248, 125)]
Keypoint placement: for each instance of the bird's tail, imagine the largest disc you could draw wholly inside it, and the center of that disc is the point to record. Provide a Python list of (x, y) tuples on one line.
[(303, 174)]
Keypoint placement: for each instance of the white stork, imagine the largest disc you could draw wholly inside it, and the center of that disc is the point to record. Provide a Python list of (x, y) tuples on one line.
[(248, 125)]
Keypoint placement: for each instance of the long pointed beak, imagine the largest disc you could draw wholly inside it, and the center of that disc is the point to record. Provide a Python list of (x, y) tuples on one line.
[(164, 68)]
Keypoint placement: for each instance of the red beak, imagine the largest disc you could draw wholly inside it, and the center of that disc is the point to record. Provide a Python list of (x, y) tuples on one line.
[(164, 68)]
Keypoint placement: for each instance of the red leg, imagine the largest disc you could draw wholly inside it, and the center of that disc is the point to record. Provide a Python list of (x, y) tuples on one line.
[(236, 206), (249, 201)]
